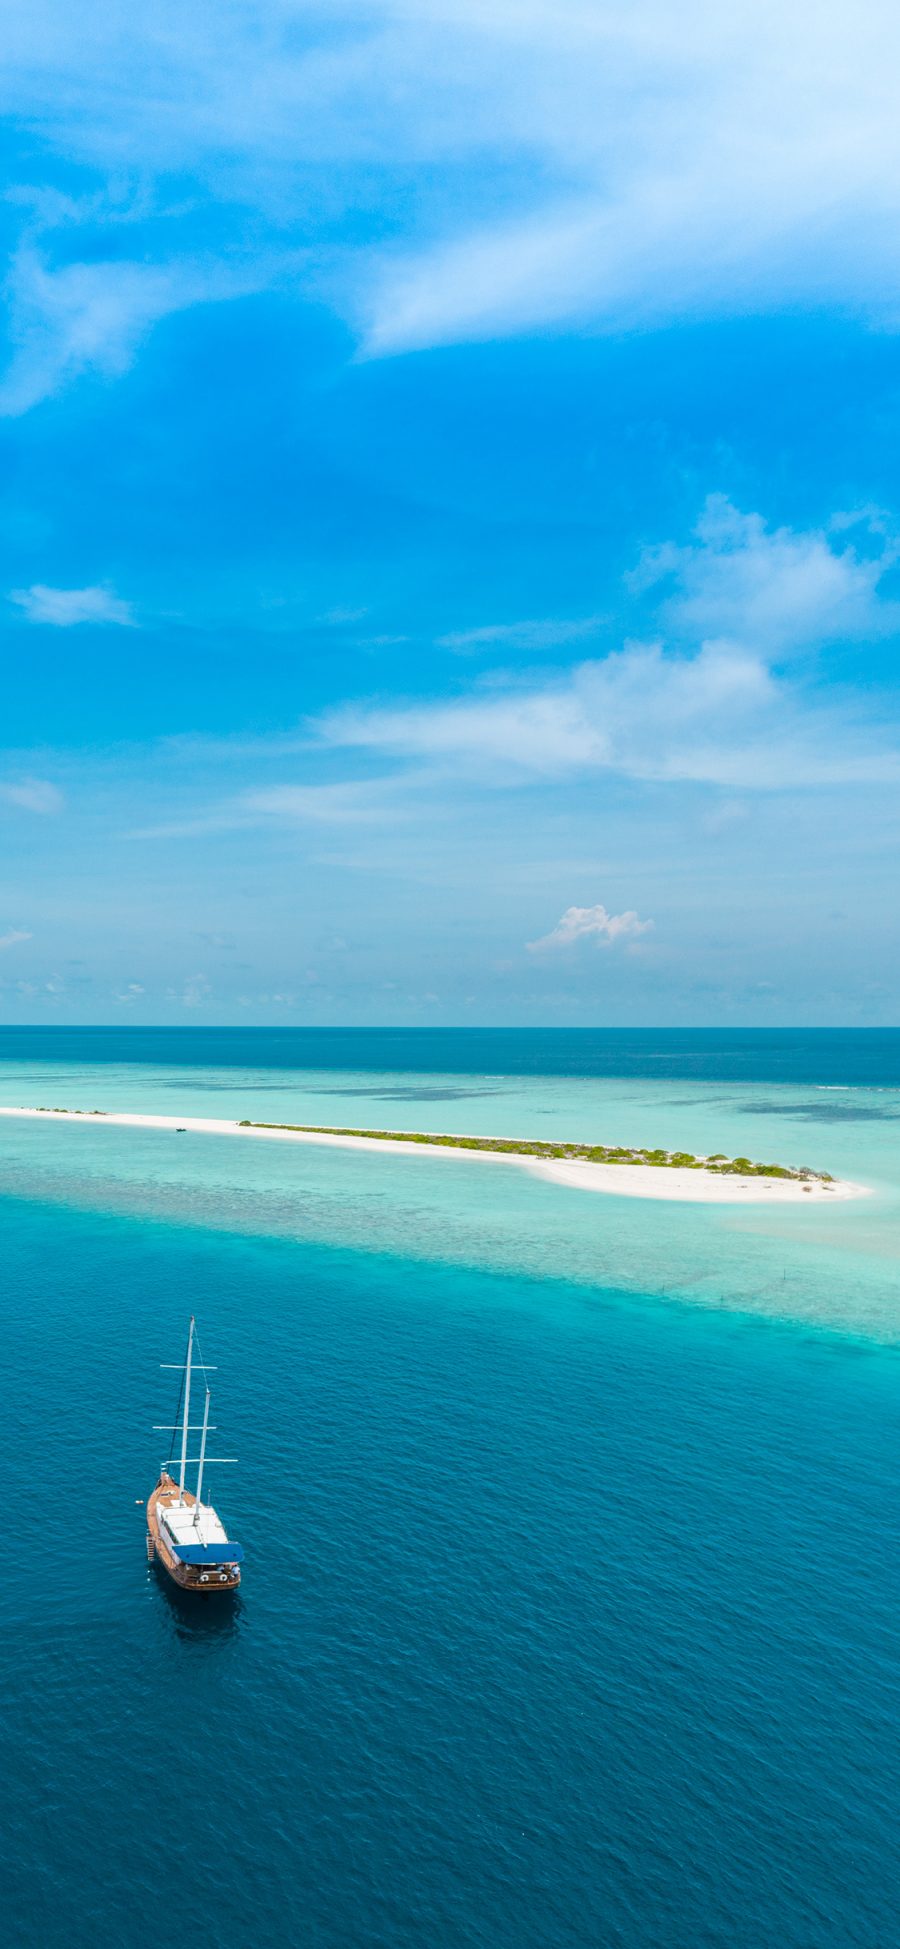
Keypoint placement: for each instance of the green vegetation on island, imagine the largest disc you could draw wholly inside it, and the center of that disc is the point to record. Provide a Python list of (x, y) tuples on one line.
[(672, 1160)]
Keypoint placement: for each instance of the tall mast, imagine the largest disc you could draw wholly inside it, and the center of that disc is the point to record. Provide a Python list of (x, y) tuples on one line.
[(202, 1456), (187, 1406)]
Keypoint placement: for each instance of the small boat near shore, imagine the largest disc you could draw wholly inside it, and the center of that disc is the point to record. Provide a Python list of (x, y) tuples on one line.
[(184, 1534)]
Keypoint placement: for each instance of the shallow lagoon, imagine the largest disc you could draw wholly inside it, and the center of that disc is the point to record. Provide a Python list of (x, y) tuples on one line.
[(570, 1603), (833, 1267)]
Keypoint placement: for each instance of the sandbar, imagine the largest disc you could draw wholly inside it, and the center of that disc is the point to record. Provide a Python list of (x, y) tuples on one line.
[(696, 1186)]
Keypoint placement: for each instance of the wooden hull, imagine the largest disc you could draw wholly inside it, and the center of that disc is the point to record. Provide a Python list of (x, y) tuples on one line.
[(188, 1576)]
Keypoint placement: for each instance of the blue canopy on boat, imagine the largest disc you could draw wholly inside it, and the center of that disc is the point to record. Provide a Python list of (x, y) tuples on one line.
[(209, 1552)]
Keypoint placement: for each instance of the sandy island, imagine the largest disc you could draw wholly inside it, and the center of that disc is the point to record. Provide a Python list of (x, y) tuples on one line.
[(695, 1186)]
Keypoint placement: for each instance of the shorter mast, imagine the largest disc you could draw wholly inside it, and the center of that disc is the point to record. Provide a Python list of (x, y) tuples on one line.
[(202, 1457), (187, 1407)]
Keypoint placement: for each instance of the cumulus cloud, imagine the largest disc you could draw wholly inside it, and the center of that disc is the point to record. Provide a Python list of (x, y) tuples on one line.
[(591, 923), (777, 588), (12, 937), (32, 795), (64, 607)]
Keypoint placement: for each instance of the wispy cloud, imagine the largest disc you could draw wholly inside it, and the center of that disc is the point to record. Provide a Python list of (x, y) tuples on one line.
[(195, 992), (547, 634), (591, 924), (718, 717), (32, 795), (341, 618), (91, 317), (130, 994), (686, 174), (64, 607), (659, 172), (351, 802), (13, 937), (720, 711), (76, 318)]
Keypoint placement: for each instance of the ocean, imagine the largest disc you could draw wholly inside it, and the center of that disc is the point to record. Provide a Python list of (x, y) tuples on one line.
[(571, 1582)]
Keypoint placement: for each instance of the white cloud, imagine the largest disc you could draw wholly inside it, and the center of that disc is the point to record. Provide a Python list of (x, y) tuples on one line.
[(91, 317), (63, 607), (722, 817), (544, 635), (352, 802), (734, 161), (195, 992), (542, 162), (12, 937), (712, 712), (32, 795), (340, 618), (718, 717), (778, 589), (77, 318), (591, 923)]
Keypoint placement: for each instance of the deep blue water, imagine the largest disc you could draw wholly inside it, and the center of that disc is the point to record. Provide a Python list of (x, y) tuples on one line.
[(864, 1057), (569, 1615)]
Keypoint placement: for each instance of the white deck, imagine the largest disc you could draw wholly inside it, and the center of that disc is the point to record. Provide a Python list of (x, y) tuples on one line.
[(181, 1525)]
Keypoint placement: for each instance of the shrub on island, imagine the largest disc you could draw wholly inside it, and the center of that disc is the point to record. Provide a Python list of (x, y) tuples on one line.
[(717, 1162)]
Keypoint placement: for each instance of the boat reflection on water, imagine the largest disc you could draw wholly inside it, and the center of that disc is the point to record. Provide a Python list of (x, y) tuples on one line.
[(189, 1622)]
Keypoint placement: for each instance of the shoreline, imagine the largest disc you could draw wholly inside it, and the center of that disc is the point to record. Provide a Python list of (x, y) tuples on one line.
[(681, 1185)]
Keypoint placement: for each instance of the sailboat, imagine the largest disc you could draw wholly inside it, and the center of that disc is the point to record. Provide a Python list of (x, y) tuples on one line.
[(184, 1533)]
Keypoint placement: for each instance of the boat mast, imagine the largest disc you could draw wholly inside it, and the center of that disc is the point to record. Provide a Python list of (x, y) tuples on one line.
[(202, 1456), (187, 1406)]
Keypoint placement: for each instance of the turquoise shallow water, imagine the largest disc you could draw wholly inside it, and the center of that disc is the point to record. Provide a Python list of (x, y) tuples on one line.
[(835, 1267), (570, 1603)]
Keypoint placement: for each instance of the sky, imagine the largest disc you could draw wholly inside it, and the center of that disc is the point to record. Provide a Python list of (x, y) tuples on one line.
[(450, 512)]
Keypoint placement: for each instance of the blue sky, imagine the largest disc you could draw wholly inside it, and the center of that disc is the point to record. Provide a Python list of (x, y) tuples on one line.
[(449, 513)]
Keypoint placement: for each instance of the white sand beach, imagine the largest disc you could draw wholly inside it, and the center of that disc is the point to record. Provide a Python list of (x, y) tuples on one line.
[(620, 1180)]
